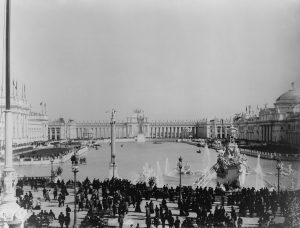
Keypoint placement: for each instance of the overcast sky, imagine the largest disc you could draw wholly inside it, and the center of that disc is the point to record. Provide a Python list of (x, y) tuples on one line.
[(175, 59)]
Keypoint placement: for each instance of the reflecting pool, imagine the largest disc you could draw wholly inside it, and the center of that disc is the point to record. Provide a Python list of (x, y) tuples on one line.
[(132, 158)]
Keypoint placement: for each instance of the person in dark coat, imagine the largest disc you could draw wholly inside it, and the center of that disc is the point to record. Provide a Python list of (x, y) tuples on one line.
[(61, 219), (121, 220), (67, 220), (68, 210), (177, 222)]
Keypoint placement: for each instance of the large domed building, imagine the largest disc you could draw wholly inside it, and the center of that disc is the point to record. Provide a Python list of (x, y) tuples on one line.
[(279, 124), (288, 102)]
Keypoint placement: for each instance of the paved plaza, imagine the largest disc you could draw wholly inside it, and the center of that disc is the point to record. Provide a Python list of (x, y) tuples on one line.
[(130, 218)]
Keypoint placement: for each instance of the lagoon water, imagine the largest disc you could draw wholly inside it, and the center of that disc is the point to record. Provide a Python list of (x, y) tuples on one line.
[(131, 158)]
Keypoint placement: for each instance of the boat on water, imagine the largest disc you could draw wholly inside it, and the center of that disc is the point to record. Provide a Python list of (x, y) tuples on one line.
[(199, 151)]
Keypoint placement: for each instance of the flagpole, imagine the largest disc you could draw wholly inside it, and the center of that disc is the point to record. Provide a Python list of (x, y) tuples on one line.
[(10, 211)]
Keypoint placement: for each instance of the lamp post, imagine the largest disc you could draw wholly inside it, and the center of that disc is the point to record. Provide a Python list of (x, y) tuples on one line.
[(75, 170), (278, 167), (52, 172), (113, 164), (180, 167)]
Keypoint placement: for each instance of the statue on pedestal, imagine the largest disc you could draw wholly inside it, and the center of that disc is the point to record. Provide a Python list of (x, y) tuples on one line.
[(140, 120)]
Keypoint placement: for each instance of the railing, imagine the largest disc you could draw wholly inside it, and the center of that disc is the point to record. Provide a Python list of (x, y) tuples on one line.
[(269, 155)]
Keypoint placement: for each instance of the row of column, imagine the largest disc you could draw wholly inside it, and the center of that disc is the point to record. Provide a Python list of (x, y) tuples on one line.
[(101, 132), (54, 133), (294, 138), (20, 125), (266, 133), (171, 132), (220, 132)]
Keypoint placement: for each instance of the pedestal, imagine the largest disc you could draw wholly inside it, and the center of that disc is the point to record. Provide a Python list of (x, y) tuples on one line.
[(11, 214), (141, 138), (112, 171)]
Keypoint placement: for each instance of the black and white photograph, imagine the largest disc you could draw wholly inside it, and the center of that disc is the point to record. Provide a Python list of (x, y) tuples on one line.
[(149, 113)]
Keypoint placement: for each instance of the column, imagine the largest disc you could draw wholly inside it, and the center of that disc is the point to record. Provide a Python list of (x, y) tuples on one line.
[(55, 133)]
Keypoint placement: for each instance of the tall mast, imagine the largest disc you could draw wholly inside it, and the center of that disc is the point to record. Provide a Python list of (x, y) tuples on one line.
[(7, 48), (8, 114), (10, 211)]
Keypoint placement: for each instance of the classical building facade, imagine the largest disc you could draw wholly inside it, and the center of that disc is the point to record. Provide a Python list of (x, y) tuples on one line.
[(61, 129), (28, 126), (215, 128), (278, 124)]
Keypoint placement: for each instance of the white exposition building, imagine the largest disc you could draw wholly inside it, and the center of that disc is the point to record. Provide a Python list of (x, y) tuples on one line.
[(28, 126), (278, 124)]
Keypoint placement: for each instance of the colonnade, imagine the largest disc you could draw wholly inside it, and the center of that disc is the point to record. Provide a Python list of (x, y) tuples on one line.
[(293, 138), (172, 132), (266, 133), (101, 132), (220, 131), (54, 133), (124, 131)]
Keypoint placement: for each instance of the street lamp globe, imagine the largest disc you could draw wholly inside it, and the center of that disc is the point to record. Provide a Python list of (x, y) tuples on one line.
[(113, 163), (279, 164), (180, 163)]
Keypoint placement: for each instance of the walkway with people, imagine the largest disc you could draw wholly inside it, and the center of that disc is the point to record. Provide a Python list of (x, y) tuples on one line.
[(105, 201)]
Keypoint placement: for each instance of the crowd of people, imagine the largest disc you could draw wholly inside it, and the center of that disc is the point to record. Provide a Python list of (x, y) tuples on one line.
[(113, 199)]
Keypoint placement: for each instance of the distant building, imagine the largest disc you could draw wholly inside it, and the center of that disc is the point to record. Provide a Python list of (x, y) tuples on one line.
[(28, 126), (60, 129), (278, 124), (215, 128)]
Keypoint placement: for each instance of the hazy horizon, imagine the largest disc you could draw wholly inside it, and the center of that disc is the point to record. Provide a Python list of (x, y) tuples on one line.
[(176, 60)]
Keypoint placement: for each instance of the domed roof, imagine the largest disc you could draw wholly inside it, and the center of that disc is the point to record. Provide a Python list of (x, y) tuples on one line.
[(290, 97)]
